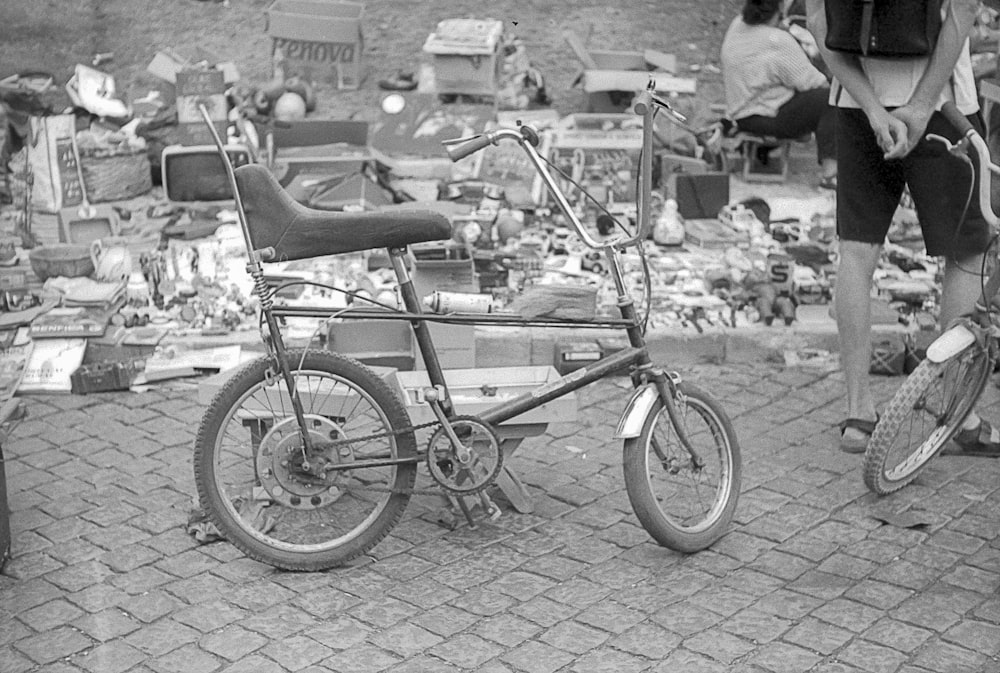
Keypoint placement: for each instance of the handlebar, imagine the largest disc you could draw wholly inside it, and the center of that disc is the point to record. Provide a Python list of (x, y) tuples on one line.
[(981, 151), (646, 104), (459, 148)]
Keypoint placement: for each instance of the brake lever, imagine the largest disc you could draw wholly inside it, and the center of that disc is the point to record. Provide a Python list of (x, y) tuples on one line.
[(953, 148), (456, 141)]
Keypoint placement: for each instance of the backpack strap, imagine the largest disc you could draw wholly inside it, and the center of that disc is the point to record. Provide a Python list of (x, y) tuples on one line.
[(867, 10)]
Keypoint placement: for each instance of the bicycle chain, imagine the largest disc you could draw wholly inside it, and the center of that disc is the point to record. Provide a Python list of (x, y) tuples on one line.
[(375, 489)]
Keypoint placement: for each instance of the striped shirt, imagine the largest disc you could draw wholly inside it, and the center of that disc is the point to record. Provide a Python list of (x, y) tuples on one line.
[(762, 68)]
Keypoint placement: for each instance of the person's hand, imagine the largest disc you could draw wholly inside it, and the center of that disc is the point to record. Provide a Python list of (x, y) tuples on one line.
[(891, 133), (916, 118)]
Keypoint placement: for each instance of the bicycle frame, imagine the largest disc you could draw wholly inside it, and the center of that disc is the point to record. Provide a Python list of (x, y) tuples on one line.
[(650, 382)]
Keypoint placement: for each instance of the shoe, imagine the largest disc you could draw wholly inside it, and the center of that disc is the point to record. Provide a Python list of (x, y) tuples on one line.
[(858, 445), (982, 440), (828, 182)]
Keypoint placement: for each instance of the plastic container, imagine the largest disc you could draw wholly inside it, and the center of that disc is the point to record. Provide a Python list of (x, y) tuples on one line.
[(68, 260)]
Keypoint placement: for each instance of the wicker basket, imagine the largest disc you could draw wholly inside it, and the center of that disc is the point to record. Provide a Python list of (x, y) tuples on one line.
[(61, 260), (116, 177)]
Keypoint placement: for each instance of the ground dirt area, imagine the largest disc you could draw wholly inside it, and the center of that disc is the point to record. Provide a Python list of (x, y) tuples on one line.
[(55, 35)]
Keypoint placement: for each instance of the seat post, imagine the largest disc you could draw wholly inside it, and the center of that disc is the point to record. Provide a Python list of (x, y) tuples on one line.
[(421, 331)]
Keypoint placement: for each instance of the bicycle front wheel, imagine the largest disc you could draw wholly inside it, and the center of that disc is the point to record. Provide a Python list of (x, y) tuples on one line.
[(290, 509), (681, 504), (926, 411)]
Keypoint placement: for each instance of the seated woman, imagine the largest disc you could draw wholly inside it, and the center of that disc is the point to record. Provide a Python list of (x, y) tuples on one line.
[(772, 88)]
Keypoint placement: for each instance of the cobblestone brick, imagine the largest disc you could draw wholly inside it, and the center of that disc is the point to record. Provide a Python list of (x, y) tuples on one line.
[(818, 636), (685, 660), (878, 594), (296, 652), (13, 661), (897, 635), (507, 629), (719, 645), (113, 657), (781, 657), (360, 659), (847, 614), (821, 585), (756, 625), (186, 659), (577, 592), (339, 633), (871, 657), (611, 616), (107, 624), (49, 615), (521, 585), (45, 648), (976, 636), (574, 637), (164, 636), (555, 567), (406, 640), (721, 599), (423, 592), (535, 657), (279, 621), (209, 616), (974, 579), (609, 660), (232, 643), (685, 618), (445, 620)]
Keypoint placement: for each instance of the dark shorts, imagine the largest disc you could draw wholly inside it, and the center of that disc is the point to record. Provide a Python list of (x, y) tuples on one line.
[(941, 185)]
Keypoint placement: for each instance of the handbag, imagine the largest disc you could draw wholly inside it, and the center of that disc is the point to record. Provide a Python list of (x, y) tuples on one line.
[(883, 28)]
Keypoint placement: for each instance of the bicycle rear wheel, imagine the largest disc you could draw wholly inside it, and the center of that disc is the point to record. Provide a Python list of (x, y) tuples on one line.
[(257, 487), (926, 411), (683, 506)]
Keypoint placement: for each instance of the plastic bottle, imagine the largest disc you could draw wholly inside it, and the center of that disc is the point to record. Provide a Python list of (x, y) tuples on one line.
[(669, 227)]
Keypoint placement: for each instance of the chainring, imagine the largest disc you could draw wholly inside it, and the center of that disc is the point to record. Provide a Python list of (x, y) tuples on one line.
[(485, 456)]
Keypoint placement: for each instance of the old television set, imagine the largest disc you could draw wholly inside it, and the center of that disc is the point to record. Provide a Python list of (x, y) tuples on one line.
[(196, 174)]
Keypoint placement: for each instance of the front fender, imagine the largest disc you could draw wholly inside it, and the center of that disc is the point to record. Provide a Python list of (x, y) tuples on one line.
[(953, 341), (638, 408)]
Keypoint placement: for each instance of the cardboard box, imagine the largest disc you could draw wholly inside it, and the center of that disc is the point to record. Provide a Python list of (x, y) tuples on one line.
[(465, 56), (201, 87), (320, 40), (610, 78)]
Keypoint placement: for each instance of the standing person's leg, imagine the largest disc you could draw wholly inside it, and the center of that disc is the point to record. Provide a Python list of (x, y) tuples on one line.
[(868, 192), (852, 307)]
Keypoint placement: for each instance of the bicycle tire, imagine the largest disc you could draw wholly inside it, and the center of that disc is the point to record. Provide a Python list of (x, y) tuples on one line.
[(711, 431), (248, 437), (922, 436)]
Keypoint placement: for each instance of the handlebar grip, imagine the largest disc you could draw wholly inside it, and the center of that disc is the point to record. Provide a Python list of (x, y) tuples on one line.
[(642, 102), (461, 150), (957, 119)]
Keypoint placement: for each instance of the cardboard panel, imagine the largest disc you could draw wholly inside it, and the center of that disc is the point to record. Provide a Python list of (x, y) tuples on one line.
[(320, 41)]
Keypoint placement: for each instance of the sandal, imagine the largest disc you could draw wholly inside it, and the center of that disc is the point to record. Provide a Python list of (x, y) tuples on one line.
[(828, 182), (982, 440), (858, 445)]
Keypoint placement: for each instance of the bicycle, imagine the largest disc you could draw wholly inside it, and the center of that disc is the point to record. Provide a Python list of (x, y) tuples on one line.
[(930, 407), (306, 459)]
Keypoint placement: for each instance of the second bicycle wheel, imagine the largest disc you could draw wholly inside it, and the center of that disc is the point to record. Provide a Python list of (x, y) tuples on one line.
[(684, 506), (290, 509), (926, 411)]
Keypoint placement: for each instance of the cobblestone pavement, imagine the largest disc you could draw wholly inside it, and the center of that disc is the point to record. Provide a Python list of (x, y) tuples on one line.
[(105, 579)]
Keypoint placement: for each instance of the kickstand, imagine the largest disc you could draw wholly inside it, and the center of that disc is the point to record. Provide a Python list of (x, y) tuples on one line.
[(465, 510)]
